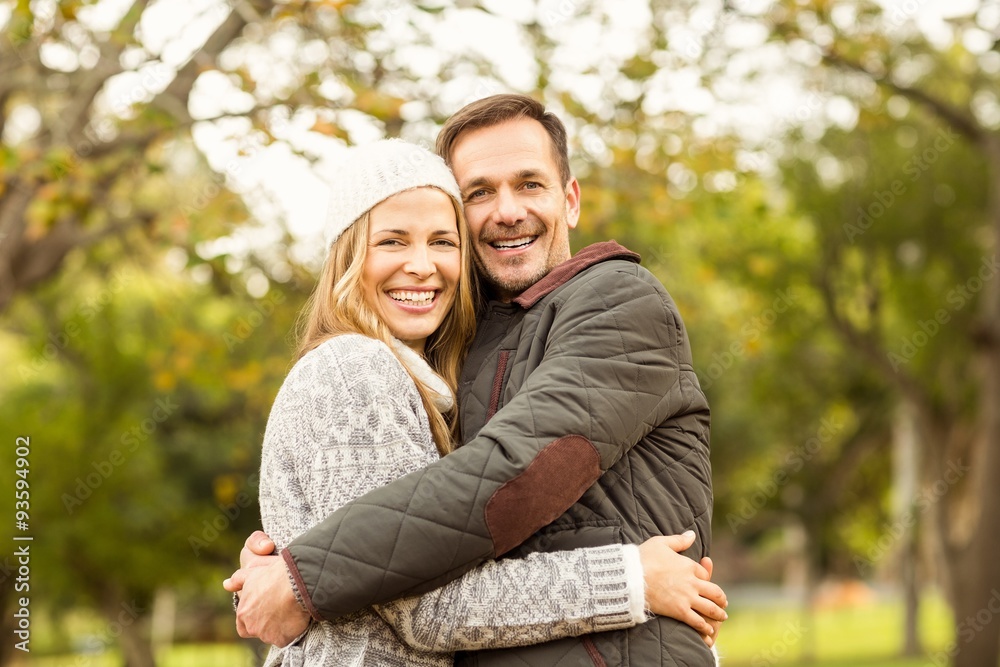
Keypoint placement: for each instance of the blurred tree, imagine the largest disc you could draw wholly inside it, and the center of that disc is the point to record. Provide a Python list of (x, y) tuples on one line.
[(149, 396), (99, 122), (87, 105), (907, 204), (71, 155)]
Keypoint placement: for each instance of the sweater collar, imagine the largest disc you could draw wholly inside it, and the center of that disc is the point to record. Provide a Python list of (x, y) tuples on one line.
[(587, 257), (441, 394)]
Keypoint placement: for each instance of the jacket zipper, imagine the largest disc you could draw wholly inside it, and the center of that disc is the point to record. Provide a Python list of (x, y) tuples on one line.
[(497, 384)]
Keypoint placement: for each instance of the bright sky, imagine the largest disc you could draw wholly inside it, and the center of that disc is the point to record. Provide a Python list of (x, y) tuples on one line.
[(278, 185)]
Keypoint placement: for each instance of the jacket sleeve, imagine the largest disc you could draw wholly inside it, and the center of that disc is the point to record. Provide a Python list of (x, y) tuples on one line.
[(609, 376), (517, 602)]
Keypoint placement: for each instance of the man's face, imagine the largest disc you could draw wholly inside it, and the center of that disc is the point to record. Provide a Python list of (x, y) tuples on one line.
[(519, 212)]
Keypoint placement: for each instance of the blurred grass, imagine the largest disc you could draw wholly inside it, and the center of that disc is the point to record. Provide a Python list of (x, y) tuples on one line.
[(183, 655), (869, 634)]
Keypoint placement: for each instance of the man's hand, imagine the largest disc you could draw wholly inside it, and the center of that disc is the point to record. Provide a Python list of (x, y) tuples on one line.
[(267, 606), (681, 589)]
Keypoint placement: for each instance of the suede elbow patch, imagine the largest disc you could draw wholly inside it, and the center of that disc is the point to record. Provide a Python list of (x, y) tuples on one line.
[(561, 472)]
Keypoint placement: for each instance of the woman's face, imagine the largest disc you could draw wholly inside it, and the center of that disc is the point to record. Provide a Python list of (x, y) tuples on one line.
[(411, 272)]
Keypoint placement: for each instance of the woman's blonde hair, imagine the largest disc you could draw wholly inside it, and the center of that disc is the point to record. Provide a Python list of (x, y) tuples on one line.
[(337, 307)]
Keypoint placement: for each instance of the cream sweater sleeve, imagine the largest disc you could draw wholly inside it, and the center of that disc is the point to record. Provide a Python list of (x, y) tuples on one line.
[(349, 419), (516, 602)]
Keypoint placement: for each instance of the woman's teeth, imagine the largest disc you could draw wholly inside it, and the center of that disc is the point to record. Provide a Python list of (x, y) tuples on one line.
[(419, 298)]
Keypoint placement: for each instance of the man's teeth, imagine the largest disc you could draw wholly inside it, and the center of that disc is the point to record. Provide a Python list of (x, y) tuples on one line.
[(419, 298), (513, 243)]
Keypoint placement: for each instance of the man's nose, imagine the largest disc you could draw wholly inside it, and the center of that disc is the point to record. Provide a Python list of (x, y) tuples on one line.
[(509, 210)]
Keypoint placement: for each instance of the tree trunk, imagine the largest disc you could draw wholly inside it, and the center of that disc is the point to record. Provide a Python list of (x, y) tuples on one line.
[(128, 627), (976, 576), (906, 476), (136, 647)]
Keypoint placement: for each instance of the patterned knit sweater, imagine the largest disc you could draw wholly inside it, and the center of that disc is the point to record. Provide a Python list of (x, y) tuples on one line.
[(349, 419)]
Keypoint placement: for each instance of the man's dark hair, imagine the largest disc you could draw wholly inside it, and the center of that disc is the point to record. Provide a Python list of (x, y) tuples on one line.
[(498, 109)]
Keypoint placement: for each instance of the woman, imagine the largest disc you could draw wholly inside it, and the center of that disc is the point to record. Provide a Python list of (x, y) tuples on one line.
[(371, 398)]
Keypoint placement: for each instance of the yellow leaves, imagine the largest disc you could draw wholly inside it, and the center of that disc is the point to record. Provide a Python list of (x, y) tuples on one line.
[(68, 9), (325, 127), (336, 5), (164, 381), (380, 105), (247, 377), (226, 487), (761, 266), (706, 273)]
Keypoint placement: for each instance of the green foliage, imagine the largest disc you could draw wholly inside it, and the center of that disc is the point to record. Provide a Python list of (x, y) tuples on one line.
[(145, 397)]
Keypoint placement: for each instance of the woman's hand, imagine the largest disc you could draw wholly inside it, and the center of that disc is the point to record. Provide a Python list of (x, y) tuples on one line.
[(679, 588)]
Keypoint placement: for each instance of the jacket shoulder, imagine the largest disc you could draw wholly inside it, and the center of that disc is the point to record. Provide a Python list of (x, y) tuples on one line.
[(618, 281)]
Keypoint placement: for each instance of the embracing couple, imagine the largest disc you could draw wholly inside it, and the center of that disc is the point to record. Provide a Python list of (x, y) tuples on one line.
[(489, 452)]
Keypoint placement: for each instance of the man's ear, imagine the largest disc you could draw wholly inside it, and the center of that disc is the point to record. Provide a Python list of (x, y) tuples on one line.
[(572, 202)]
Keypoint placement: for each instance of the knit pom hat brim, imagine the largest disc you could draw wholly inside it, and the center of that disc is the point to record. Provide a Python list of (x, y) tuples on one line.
[(372, 173)]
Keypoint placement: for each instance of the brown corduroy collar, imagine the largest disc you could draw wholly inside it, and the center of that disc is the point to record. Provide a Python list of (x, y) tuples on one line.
[(592, 254)]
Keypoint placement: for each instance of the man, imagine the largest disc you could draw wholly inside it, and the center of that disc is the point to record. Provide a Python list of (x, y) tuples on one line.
[(583, 420)]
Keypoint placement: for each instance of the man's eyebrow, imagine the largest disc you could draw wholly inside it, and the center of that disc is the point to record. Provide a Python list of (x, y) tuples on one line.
[(522, 175), (477, 182)]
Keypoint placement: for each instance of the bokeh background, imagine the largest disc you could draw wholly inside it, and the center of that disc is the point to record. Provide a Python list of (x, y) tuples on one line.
[(817, 184)]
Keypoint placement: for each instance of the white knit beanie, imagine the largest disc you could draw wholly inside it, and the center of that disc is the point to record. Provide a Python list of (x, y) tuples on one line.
[(374, 172)]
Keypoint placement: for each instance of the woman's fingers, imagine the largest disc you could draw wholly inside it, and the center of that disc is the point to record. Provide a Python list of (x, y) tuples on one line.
[(712, 592), (709, 609)]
